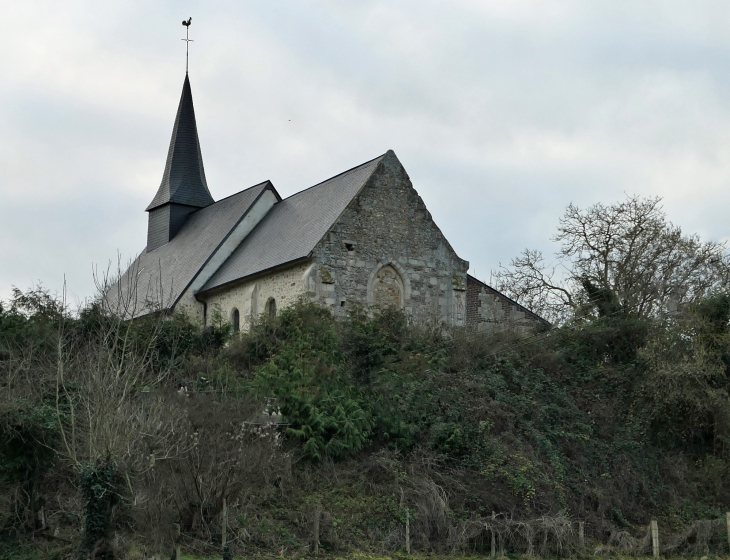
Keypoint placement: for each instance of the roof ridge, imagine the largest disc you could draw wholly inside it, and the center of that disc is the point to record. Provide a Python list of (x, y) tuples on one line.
[(242, 191), (334, 177)]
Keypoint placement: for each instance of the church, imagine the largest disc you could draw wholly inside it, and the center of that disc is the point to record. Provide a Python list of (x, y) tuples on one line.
[(364, 237)]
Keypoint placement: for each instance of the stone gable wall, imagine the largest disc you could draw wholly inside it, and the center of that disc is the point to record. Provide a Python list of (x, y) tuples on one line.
[(387, 225), (488, 309)]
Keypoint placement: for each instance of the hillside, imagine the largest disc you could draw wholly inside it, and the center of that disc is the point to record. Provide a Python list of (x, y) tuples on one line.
[(127, 428)]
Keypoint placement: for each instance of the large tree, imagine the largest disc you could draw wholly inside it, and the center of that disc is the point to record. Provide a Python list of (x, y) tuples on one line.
[(624, 257)]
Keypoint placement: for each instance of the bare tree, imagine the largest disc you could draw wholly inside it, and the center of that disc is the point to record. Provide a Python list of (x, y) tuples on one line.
[(112, 421), (627, 252), (234, 450)]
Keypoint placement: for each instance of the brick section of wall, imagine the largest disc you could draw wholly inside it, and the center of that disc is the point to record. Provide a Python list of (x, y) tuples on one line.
[(487, 309), (473, 289)]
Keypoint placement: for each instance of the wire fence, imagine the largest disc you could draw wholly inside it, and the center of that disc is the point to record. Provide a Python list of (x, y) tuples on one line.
[(501, 536)]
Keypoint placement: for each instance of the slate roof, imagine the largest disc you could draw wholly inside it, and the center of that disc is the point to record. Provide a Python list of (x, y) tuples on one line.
[(183, 181), (293, 227), (163, 274)]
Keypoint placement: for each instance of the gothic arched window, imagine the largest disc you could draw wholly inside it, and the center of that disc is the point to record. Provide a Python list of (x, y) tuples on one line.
[(236, 320), (388, 288)]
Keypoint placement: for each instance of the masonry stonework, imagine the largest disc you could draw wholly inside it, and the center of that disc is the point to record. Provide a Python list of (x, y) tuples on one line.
[(386, 248), (250, 296), (488, 309), (383, 250)]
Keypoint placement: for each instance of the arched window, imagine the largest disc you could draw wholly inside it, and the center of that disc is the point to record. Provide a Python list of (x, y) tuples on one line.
[(388, 288), (236, 320), (271, 309)]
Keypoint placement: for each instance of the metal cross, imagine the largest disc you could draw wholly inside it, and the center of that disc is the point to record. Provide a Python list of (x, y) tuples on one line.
[(187, 40)]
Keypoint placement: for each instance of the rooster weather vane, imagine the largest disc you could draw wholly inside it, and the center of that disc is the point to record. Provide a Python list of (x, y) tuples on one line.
[(187, 40)]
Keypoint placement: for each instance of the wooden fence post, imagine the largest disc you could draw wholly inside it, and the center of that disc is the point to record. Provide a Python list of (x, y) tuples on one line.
[(408, 531), (224, 523), (316, 530), (494, 540), (502, 551), (177, 555), (582, 535), (655, 538)]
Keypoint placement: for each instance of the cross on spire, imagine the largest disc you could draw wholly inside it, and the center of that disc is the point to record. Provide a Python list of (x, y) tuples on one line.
[(187, 40)]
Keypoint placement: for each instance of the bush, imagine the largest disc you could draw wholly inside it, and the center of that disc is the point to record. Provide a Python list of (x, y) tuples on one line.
[(611, 417)]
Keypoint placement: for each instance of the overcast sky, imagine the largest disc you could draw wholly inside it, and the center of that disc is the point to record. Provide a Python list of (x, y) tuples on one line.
[(502, 111)]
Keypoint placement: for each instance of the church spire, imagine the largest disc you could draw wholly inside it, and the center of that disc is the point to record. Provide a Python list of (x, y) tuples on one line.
[(184, 179), (183, 189)]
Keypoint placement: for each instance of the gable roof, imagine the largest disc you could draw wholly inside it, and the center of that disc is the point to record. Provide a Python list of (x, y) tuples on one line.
[(293, 227), (183, 181), (158, 278)]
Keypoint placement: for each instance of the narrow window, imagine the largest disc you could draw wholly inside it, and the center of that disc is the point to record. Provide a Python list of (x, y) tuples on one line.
[(236, 320), (271, 309)]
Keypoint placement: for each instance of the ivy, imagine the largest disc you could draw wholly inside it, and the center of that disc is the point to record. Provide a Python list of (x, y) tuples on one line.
[(99, 483)]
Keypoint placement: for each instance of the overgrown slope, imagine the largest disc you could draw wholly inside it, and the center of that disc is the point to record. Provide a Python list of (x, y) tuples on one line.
[(612, 420)]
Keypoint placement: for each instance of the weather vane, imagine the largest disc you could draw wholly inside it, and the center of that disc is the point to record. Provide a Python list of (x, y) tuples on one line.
[(187, 40)]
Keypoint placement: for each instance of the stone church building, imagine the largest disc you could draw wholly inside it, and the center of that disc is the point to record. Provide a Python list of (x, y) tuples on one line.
[(363, 236)]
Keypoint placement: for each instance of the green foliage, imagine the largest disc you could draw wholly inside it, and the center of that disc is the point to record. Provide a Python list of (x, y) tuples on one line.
[(28, 435), (373, 343), (19, 550), (27, 441), (542, 421), (687, 382), (612, 417), (30, 322), (177, 339), (602, 299), (323, 408)]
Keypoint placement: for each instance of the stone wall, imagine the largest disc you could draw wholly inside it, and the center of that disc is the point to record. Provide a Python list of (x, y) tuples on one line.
[(489, 309), (385, 248), (251, 295)]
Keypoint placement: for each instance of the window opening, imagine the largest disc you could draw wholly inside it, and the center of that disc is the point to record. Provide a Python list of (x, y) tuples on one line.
[(271, 309), (236, 320)]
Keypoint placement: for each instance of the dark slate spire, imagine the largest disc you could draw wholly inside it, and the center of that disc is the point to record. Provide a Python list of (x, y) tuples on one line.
[(184, 179)]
